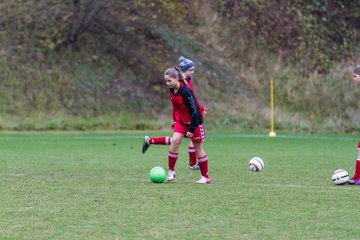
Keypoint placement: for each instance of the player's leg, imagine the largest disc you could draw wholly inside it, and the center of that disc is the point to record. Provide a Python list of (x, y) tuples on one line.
[(356, 178), (192, 157), (173, 155), (179, 132), (198, 137), (165, 140), (203, 162)]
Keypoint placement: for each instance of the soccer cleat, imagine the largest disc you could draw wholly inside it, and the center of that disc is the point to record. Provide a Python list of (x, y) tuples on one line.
[(146, 144), (171, 176), (195, 167), (203, 180), (354, 182)]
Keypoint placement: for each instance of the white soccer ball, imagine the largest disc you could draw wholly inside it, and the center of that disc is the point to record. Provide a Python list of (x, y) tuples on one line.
[(340, 177), (256, 164)]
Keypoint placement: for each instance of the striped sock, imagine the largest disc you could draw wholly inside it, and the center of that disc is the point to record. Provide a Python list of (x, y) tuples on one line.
[(192, 156), (172, 157), (203, 164), (160, 140)]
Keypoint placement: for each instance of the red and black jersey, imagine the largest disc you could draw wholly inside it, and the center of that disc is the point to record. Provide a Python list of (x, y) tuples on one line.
[(185, 107)]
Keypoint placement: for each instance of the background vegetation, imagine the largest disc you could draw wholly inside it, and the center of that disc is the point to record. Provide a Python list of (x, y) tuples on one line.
[(90, 64)]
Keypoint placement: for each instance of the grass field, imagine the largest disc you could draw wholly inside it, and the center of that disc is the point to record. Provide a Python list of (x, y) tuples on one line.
[(96, 186)]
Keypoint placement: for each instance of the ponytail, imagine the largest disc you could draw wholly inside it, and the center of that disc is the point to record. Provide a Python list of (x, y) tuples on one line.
[(180, 76)]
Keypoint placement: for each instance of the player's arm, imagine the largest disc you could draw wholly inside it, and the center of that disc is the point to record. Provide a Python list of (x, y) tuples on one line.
[(190, 102)]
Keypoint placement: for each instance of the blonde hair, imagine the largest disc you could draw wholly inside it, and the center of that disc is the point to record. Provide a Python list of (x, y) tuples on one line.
[(356, 70)]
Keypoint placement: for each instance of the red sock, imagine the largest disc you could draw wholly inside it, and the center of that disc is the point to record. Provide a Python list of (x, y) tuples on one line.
[(160, 140), (203, 164), (357, 170), (172, 157), (192, 156), (357, 165)]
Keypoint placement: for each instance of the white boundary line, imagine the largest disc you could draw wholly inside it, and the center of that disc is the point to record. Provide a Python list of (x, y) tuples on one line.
[(113, 136)]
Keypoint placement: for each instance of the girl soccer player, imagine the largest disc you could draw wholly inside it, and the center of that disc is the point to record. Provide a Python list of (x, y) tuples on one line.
[(356, 178), (188, 123), (188, 68)]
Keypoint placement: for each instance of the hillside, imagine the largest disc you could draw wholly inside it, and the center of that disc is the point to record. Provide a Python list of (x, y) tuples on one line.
[(91, 64)]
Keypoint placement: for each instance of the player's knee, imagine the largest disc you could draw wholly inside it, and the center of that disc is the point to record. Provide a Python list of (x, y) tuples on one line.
[(198, 148), (176, 141)]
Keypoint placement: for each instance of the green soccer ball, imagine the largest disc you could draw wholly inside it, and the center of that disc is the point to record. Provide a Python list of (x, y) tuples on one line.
[(157, 175)]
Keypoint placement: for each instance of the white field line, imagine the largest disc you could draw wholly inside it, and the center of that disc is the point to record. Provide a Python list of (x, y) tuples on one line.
[(330, 187), (265, 185), (214, 182), (315, 137), (287, 186), (137, 136), (13, 174)]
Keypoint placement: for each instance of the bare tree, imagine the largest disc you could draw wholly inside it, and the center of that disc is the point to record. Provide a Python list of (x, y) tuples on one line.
[(84, 17)]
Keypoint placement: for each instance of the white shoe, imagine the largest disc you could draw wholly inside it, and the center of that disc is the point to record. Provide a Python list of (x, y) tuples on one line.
[(171, 176), (203, 180)]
